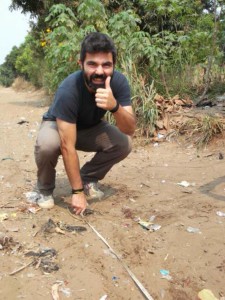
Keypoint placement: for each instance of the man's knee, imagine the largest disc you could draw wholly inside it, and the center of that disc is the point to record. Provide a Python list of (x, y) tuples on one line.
[(125, 145), (47, 150)]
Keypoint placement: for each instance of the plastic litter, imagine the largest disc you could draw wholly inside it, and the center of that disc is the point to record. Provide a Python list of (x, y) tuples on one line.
[(32, 197), (154, 227), (103, 297), (115, 278), (3, 216), (65, 291), (206, 295), (185, 183), (193, 229), (220, 214), (165, 274), (152, 218), (160, 136), (149, 225)]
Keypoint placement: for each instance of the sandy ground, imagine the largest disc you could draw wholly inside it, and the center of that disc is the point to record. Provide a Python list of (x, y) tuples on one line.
[(169, 263)]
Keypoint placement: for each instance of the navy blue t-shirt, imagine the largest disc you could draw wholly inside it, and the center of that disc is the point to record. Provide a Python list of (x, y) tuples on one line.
[(73, 102)]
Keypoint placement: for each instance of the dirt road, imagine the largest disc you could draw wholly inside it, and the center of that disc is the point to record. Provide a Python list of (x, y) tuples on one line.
[(171, 263)]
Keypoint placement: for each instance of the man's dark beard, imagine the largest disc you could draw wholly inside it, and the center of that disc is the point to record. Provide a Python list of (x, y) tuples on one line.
[(94, 86)]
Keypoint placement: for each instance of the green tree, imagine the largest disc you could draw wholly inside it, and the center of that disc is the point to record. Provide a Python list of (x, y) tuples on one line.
[(8, 71)]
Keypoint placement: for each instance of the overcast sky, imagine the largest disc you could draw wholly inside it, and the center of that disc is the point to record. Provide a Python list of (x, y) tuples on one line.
[(14, 26)]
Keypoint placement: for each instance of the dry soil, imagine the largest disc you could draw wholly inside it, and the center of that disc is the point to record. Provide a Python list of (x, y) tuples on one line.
[(142, 187)]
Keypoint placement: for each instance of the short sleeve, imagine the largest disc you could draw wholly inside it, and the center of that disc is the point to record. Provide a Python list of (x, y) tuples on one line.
[(65, 106), (121, 89)]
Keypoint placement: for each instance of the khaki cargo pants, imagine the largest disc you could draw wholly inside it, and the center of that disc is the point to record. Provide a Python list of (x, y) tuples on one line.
[(109, 143)]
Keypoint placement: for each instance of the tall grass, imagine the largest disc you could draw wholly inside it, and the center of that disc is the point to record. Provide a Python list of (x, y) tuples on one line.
[(202, 129), (143, 94)]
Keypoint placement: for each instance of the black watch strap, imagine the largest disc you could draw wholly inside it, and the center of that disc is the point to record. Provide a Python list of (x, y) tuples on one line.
[(115, 108)]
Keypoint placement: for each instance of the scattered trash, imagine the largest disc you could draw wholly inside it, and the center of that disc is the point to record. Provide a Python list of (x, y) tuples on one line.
[(104, 297), (6, 242), (137, 282), (59, 286), (149, 225), (71, 228), (132, 200), (22, 122), (193, 229), (42, 252), (50, 227), (114, 278), (206, 295), (220, 214), (152, 218), (33, 209), (3, 216), (160, 136), (184, 183), (45, 259), (166, 256), (7, 158), (145, 224), (32, 197), (154, 227), (58, 230), (165, 274), (65, 291), (220, 155), (55, 288), (13, 215)]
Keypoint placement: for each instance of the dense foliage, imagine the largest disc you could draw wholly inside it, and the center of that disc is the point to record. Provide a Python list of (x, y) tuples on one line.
[(177, 46)]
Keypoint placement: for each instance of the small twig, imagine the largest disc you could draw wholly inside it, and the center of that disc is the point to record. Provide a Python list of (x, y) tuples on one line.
[(36, 233), (38, 264), (22, 268), (134, 278)]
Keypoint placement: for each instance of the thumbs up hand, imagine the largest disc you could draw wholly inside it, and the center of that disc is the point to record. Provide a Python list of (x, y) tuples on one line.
[(107, 83), (104, 97)]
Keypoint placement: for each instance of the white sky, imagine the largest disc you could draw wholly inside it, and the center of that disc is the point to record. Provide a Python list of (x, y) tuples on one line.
[(14, 26)]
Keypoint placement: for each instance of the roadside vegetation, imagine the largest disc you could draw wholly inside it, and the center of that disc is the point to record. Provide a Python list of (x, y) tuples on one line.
[(168, 47)]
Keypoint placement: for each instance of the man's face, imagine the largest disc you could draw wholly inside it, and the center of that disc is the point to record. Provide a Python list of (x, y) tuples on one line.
[(97, 67)]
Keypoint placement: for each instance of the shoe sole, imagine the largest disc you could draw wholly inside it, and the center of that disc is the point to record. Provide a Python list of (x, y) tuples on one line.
[(45, 205)]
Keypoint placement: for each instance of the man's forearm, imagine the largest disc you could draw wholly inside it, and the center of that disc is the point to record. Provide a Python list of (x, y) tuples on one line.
[(72, 166), (125, 121)]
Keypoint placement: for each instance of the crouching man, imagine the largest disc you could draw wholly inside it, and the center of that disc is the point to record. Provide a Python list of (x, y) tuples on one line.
[(74, 122)]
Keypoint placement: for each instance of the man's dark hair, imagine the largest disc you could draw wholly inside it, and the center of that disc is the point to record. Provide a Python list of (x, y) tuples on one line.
[(97, 42)]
